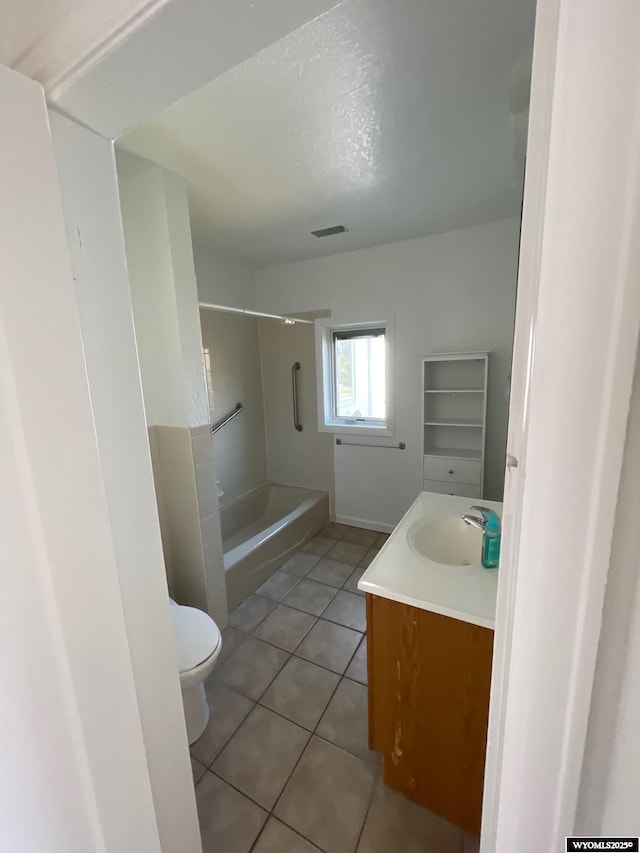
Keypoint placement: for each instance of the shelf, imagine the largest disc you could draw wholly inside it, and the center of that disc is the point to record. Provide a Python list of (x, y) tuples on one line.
[(461, 422), (454, 397), (454, 390), (454, 453)]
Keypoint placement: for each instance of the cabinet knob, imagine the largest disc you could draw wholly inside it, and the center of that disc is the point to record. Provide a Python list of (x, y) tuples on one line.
[(451, 471)]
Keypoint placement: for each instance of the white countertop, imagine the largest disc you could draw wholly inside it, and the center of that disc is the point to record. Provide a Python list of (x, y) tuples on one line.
[(467, 593)]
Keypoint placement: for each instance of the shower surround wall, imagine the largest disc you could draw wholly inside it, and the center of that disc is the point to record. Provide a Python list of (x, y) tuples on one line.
[(250, 362), (165, 307), (234, 374), (294, 458)]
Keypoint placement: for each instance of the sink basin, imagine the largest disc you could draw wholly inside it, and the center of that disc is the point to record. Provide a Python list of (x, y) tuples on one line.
[(449, 541)]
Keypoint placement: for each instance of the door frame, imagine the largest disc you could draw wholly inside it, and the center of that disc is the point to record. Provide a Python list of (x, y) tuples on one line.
[(575, 347), (578, 314)]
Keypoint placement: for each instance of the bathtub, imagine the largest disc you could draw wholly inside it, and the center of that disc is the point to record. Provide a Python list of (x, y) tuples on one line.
[(262, 529)]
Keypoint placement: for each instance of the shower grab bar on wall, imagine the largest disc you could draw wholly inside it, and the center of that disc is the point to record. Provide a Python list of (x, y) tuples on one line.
[(399, 446), (294, 391), (219, 424)]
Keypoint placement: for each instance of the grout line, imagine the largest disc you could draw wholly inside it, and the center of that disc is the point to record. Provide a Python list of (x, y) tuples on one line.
[(258, 702), (226, 742), (366, 814), (317, 618), (293, 654), (311, 733), (376, 767)]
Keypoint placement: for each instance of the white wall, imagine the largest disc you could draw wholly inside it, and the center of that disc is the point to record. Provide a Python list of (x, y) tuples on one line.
[(608, 803), (222, 282), (70, 717), (295, 458), (155, 217), (448, 292), (90, 204)]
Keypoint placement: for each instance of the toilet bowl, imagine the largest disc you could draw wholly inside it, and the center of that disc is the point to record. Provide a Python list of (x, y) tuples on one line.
[(198, 645)]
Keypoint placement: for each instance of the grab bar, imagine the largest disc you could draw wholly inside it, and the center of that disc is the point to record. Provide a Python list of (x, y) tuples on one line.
[(399, 446), (294, 389), (219, 424)]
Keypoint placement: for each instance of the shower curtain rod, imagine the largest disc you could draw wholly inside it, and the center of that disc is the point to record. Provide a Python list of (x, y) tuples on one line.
[(289, 321)]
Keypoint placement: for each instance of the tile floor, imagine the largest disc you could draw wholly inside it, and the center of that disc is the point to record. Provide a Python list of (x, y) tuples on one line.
[(284, 766)]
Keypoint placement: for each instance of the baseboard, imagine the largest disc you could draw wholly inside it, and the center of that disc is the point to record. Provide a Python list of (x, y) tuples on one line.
[(365, 523)]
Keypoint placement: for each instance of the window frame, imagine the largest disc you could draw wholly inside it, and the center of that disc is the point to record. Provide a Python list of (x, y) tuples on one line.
[(328, 420)]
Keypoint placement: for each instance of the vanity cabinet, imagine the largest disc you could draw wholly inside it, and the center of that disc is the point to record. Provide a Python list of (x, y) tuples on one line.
[(429, 677)]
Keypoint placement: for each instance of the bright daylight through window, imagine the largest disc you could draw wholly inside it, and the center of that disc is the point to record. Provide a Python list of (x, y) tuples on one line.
[(359, 383)]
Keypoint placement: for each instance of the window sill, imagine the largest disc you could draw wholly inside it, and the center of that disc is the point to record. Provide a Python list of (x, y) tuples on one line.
[(351, 429)]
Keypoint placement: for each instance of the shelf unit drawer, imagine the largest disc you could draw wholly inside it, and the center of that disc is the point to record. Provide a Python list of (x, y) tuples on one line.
[(463, 490), (450, 470)]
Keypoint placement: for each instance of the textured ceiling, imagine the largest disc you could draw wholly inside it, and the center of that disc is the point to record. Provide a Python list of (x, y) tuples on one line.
[(392, 118)]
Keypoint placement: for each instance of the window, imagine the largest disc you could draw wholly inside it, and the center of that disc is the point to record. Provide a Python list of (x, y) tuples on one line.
[(359, 380), (353, 377)]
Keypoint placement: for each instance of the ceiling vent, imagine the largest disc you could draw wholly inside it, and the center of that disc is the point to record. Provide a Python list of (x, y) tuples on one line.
[(327, 232)]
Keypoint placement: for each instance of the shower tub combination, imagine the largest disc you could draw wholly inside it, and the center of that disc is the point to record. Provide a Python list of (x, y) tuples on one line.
[(262, 529)]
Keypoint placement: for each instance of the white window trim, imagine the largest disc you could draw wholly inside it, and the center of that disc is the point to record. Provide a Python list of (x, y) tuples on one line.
[(324, 329)]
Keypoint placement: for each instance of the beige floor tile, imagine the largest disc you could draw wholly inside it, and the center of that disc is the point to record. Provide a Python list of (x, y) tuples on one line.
[(334, 530), (347, 552), (301, 692), (310, 596), (252, 668), (357, 669), (277, 586), (382, 538), (285, 627), (349, 610), (319, 545), (327, 797), (329, 645), (231, 639), (330, 572), (299, 564), (278, 838), (368, 558), (229, 822), (345, 722), (396, 823), (259, 758), (351, 584), (250, 613), (227, 709), (198, 770), (359, 536)]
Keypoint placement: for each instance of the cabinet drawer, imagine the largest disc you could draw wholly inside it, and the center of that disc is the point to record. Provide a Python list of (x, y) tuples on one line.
[(450, 470), (465, 490)]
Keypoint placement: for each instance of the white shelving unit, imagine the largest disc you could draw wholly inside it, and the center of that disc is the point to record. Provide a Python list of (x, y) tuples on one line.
[(454, 418)]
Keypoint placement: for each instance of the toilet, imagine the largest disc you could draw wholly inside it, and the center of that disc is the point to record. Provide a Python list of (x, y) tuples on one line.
[(198, 645)]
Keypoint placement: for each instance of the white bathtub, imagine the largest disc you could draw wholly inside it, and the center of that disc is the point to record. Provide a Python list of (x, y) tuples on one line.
[(262, 529)]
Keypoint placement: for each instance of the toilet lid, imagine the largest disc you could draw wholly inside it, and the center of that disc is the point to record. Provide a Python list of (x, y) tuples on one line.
[(197, 636)]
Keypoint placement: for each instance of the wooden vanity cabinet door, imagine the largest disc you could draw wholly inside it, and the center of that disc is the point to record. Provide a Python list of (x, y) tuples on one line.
[(429, 679)]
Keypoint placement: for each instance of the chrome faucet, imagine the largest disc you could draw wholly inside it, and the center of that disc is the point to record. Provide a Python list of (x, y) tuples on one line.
[(478, 521)]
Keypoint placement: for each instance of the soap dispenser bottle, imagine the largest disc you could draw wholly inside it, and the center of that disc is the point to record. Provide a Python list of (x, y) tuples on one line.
[(491, 541)]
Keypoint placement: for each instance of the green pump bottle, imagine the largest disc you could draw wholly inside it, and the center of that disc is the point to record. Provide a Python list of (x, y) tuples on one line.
[(491, 541)]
